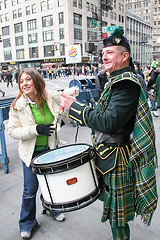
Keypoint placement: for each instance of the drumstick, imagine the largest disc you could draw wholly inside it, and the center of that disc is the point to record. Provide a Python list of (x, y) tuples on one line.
[(60, 110)]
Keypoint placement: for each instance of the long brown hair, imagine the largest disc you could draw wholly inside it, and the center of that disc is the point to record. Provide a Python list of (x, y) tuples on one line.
[(39, 85)]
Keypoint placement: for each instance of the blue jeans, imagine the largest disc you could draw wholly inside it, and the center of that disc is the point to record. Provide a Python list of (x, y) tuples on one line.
[(28, 209), (153, 104)]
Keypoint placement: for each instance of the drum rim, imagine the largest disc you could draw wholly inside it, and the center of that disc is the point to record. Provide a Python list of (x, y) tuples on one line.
[(62, 162), (66, 206)]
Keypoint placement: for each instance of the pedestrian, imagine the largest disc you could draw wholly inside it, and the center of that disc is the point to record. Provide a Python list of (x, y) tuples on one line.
[(124, 163), (146, 74), (157, 91), (32, 120), (16, 75), (3, 93), (141, 76), (9, 78), (100, 80), (150, 86)]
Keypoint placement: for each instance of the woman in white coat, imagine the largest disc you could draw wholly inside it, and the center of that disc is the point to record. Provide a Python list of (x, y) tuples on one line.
[(32, 118)]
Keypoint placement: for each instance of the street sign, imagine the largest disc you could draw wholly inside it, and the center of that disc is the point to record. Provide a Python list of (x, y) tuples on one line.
[(73, 54), (104, 29), (111, 28), (104, 35), (94, 22)]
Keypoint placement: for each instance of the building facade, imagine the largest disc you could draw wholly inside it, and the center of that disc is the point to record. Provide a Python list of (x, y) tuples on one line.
[(139, 34), (36, 32), (150, 11)]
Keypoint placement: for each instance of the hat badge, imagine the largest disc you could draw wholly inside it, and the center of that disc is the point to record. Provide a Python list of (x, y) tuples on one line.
[(117, 40)]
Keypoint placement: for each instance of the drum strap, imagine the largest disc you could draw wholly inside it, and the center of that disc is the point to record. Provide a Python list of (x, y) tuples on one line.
[(41, 147)]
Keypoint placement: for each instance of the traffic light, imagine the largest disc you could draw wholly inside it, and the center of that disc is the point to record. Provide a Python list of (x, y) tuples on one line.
[(89, 47), (55, 48), (106, 5)]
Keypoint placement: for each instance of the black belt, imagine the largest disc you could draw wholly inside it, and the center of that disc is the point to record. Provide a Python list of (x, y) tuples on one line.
[(117, 139)]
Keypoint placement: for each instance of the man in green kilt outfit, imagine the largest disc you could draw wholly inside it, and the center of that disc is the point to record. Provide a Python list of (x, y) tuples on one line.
[(124, 139)]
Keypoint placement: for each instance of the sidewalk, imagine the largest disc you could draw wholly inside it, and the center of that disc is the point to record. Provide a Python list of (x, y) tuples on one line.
[(79, 225)]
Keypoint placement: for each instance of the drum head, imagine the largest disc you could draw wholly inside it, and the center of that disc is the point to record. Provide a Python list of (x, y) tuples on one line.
[(63, 156)]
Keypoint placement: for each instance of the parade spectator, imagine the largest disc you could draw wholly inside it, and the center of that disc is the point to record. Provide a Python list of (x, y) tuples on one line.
[(153, 75), (146, 74), (3, 93), (9, 77), (16, 75), (100, 80), (121, 161), (140, 75), (32, 120)]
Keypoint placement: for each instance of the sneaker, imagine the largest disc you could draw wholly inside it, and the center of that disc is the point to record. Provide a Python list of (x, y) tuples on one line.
[(155, 113), (60, 218), (25, 235)]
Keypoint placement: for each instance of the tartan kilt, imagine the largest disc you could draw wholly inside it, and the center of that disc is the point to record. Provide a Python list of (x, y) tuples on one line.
[(118, 202)]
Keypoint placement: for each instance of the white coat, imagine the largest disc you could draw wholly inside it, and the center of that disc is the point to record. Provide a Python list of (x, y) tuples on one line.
[(22, 125)]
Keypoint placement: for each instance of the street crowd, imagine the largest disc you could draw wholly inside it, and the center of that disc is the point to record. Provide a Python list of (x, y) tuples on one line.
[(149, 76)]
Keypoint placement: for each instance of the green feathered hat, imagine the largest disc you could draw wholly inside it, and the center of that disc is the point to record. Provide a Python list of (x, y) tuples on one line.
[(116, 38)]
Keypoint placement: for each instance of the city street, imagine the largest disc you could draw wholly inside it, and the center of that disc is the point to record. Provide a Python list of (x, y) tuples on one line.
[(79, 225)]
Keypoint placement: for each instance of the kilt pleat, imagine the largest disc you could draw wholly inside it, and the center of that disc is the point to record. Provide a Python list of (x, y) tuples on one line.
[(119, 206)]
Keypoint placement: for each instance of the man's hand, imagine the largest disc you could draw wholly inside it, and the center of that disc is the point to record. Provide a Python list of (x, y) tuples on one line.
[(66, 100), (45, 129)]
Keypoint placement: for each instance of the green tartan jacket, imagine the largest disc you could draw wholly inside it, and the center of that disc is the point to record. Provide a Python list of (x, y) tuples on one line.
[(143, 150)]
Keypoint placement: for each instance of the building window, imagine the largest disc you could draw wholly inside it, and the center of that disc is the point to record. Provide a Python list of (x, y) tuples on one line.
[(7, 16), (80, 4), (5, 31), (32, 24), (5, 3), (34, 8), (61, 18), (43, 6), (6, 43), (0, 5), (14, 14), (48, 50), (92, 7), (20, 12), (60, 3), (47, 21), (2, 18), (77, 34), (49, 4), (28, 10), (18, 27), (87, 6), (77, 19), (61, 33), (13, 2), (48, 36), (19, 40), (74, 3), (7, 55), (33, 52), (62, 49), (32, 38), (20, 54)]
